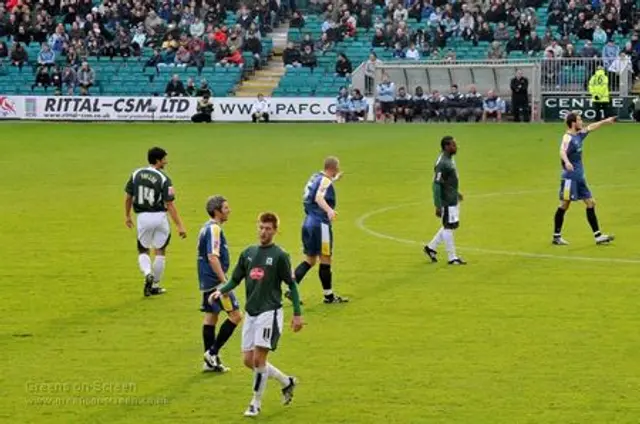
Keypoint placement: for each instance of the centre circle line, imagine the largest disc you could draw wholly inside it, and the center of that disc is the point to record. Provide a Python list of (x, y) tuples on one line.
[(361, 224)]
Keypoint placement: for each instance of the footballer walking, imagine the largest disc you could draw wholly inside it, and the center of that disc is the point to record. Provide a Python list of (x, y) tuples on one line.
[(150, 193), (573, 185), (264, 267), (446, 198), (319, 201), (213, 264)]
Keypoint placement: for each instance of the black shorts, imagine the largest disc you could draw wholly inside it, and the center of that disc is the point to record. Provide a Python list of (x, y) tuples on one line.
[(387, 107)]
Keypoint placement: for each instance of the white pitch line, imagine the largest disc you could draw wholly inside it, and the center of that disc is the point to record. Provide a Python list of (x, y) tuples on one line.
[(360, 223)]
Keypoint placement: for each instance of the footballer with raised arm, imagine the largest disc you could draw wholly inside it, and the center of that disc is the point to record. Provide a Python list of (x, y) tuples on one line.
[(573, 185), (264, 267), (149, 191)]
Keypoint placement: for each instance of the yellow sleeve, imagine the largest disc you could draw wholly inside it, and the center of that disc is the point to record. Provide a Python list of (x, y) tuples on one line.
[(215, 239), (324, 185)]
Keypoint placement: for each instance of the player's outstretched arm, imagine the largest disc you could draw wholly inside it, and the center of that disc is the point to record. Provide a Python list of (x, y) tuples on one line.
[(173, 212), (596, 125), (128, 204)]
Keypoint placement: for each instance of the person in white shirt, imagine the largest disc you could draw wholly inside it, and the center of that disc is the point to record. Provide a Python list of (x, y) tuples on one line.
[(412, 52), (260, 110)]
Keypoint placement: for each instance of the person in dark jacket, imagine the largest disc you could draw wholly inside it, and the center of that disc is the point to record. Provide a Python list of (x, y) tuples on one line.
[(43, 79), (175, 88), (520, 97), (455, 104), (291, 56), (308, 58), (204, 110), (343, 66), (252, 44)]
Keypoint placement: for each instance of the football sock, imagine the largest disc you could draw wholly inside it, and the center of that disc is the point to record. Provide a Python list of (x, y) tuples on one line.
[(447, 235), (208, 336), (276, 374), (259, 384), (593, 221), (144, 261), (437, 239), (325, 278), (158, 268), (226, 330), (558, 220), (301, 271)]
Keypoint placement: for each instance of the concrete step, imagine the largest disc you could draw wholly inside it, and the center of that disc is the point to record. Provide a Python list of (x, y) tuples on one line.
[(260, 83), (253, 93)]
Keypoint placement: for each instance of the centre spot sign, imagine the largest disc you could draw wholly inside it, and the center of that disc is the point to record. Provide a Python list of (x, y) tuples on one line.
[(555, 107)]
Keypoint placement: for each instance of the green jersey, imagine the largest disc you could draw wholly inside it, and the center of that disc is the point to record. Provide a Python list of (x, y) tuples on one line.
[(445, 182), (150, 189), (263, 268)]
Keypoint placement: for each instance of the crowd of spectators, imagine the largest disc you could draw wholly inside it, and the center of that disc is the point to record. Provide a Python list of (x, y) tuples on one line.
[(507, 25), (180, 32)]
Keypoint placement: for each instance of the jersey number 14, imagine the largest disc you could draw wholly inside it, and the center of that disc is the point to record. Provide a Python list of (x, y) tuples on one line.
[(146, 195)]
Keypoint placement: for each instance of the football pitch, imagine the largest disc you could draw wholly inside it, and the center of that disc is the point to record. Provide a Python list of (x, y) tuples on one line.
[(526, 333)]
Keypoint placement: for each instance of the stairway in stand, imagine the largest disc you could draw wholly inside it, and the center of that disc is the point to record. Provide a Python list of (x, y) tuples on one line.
[(266, 79)]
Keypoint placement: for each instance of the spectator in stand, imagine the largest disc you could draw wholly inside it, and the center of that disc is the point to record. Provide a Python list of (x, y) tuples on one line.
[(359, 106), (485, 33), (450, 26), (609, 25), (412, 52), (252, 44), (517, 43), (86, 79), (196, 29), (308, 58), (58, 38), (138, 40), (398, 53), (69, 80), (306, 41), (19, 56), (610, 53), (473, 105), (204, 89), (467, 26), (379, 39), (43, 79), (153, 61), (400, 14), (520, 97), (370, 72), (56, 81), (555, 48), (234, 58), (450, 56), (324, 44), (190, 89), (454, 105), (343, 66), (175, 88), (46, 57), (555, 18), (502, 33), (534, 44), (570, 52), (496, 52), (22, 35), (343, 106), (4, 51), (297, 21), (197, 58), (183, 57), (493, 107), (291, 56), (385, 95), (588, 51), (599, 36)]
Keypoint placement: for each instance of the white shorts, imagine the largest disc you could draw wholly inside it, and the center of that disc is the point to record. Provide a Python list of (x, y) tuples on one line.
[(263, 330), (153, 229)]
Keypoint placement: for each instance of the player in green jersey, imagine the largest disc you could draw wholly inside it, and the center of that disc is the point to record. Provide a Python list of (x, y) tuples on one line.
[(445, 198), (149, 191), (264, 267)]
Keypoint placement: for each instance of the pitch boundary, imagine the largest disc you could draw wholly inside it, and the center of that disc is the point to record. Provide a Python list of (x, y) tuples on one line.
[(361, 224)]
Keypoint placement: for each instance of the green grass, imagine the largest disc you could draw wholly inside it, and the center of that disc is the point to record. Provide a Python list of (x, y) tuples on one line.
[(527, 337)]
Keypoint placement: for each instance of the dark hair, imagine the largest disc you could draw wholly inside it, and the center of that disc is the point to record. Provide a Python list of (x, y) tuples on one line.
[(446, 140), (269, 218), (571, 118), (215, 203), (454, 86), (156, 154)]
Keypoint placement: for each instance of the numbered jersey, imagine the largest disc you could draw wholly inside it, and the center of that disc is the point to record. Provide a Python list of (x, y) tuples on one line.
[(318, 184), (150, 189)]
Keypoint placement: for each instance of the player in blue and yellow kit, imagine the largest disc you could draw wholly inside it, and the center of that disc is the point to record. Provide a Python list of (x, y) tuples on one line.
[(573, 185), (213, 264), (319, 202)]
